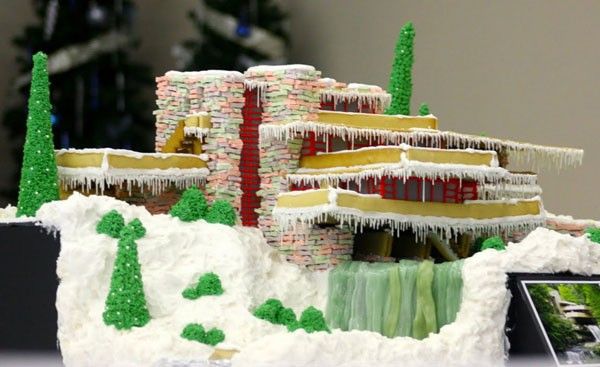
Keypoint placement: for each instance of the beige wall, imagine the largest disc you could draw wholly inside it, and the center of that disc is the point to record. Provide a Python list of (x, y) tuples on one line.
[(526, 70)]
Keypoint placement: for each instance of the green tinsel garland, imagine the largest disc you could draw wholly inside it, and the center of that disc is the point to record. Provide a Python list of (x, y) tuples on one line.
[(39, 175), (400, 86)]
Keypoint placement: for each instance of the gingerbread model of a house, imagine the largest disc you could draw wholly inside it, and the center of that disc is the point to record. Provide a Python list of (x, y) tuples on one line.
[(320, 169)]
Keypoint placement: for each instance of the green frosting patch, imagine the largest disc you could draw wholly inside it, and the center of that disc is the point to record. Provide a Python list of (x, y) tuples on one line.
[(311, 320), (111, 224), (273, 311), (593, 234), (191, 207), (495, 243), (196, 332), (221, 212), (208, 284)]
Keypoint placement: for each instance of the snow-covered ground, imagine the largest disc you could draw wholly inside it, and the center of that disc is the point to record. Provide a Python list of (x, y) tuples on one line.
[(8, 214), (173, 254)]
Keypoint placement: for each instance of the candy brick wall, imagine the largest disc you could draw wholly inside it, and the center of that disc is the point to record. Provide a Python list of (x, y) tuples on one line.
[(223, 99)]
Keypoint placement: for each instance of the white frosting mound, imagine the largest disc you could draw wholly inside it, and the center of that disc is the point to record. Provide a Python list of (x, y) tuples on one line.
[(228, 74), (267, 68), (8, 214), (173, 254), (476, 338)]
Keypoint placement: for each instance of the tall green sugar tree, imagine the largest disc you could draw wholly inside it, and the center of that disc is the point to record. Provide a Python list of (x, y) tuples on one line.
[(39, 177), (400, 86)]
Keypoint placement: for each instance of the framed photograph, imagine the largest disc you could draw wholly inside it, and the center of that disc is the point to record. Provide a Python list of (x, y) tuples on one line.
[(567, 312)]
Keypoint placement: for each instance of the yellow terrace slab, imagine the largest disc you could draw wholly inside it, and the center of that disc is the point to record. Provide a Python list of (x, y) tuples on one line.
[(89, 169), (396, 154), (377, 121), (123, 159), (445, 219)]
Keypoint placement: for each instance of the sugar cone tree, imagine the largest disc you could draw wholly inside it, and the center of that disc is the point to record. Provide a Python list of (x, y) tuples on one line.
[(125, 305), (39, 177), (400, 86)]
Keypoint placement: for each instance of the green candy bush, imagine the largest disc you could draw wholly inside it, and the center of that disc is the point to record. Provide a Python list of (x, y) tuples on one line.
[(495, 243), (208, 284), (221, 212), (196, 332), (311, 320), (593, 234), (191, 207)]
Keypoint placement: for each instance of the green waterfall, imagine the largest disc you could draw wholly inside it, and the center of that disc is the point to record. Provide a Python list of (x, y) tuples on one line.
[(408, 298)]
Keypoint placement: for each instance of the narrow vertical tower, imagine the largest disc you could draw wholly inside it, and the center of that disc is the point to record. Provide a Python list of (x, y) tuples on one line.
[(39, 178)]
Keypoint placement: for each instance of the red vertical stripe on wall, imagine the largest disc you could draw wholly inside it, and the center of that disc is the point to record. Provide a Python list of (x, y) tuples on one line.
[(250, 162)]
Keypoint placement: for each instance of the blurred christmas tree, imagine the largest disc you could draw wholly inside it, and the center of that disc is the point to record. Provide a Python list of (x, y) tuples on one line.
[(234, 35), (94, 87)]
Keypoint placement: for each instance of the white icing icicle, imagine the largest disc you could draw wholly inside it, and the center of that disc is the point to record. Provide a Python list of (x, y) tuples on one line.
[(447, 228), (539, 156)]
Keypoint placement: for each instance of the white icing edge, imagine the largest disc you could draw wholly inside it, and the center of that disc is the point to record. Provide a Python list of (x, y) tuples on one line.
[(539, 156), (445, 227)]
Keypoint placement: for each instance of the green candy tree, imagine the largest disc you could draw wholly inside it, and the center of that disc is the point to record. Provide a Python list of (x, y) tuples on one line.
[(125, 305), (221, 212), (191, 207), (424, 109), (400, 86), (39, 176)]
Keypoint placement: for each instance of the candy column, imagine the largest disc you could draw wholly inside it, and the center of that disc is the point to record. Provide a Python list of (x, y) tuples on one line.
[(223, 100)]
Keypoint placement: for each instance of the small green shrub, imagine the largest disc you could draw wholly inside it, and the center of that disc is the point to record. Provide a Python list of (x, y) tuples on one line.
[(273, 311), (111, 224), (593, 234), (208, 284), (214, 336), (221, 212), (196, 332), (311, 320), (495, 243), (286, 316), (191, 207), (193, 332)]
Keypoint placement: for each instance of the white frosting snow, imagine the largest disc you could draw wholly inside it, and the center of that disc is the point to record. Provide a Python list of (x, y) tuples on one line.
[(266, 68), (226, 74), (8, 214), (476, 338), (173, 254)]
